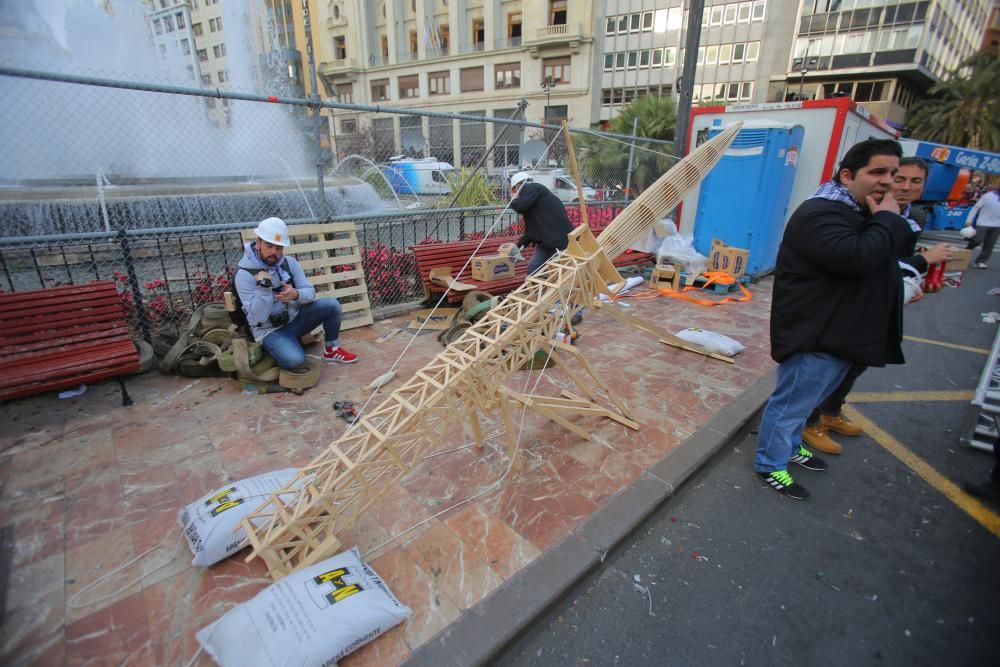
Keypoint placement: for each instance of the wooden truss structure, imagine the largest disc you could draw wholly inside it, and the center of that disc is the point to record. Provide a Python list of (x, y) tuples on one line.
[(298, 525)]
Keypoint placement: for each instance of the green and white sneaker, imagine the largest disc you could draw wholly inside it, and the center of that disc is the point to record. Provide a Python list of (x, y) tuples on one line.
[(808, 460), (782, 482)]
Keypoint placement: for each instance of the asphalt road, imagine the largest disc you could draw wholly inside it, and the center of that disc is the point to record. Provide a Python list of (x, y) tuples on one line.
[(878, 567)]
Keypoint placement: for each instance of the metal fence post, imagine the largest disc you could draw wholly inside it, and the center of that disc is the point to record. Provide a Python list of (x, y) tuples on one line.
[(133, 282), (316, 106), (631, 158)]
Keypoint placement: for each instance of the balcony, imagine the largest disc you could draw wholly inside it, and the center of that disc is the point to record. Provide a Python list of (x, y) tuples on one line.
[(555, 36), (345, 69)]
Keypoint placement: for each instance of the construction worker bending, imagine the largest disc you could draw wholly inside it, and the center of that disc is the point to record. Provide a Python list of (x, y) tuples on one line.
[(545, 221), (279, 302)]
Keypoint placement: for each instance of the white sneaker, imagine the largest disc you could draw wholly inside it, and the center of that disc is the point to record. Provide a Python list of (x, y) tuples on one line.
[(980, 265)]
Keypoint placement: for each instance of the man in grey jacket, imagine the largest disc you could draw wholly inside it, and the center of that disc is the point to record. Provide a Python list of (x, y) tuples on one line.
[(280, 303)]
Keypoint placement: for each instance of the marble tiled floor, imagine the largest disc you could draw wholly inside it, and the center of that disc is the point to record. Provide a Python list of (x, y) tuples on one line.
[(89, 486)]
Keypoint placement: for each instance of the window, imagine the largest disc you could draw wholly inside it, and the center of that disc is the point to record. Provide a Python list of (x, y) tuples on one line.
[(409, 86), (206, 79), (507, 147), (716, 15), (471, 79), (478, 34), (620, 60), (623, 23), (644, 58), (739, 51), (185, 47), (656, 57), (472, 134), (439, 83), (214, 24), (345, 93), (609, 62), (411, 135), (336, 13), (444, 35), (168, 23), (219, 50), (508, 75), (557, 12), (725, 53), (669, 56), (223, 75), (633, 59), (633, 22), (758, 11), (734, 91), (380, 90), (556, 114), (442, 140), (701, 55), (196, 29), (557, 69), (340, 48), (711, 55), (349, 126), (157, 26), (202, 55), (746, 90), (514, 29), (743, 15), (647, 21), (609, 27), (752, 49), (729, 18), (180, 20), (384, 42), (412, 41)]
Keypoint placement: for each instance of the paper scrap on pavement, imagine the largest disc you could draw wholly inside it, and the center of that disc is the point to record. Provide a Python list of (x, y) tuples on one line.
[(73, 393)]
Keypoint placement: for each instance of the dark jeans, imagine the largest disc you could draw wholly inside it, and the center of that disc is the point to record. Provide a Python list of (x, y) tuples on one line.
[(986, 237), (283, 343), (539, 257), (834, 403)]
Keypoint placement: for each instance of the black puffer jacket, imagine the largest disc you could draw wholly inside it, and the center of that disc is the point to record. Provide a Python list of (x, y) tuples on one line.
[(837, 285), (545, 219)]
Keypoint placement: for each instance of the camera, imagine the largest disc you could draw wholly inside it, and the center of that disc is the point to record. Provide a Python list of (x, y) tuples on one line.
[(266, 282), (279, 320)]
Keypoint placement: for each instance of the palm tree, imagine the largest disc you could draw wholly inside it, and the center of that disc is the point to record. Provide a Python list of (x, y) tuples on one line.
[(963, 110), (605, 161)]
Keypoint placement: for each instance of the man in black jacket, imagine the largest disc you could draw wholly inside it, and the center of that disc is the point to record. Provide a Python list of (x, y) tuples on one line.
[(545, 221), (907, 188), (837, 300)]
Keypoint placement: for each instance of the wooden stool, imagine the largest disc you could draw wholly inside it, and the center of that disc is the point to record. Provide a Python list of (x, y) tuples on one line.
[(665, 277)]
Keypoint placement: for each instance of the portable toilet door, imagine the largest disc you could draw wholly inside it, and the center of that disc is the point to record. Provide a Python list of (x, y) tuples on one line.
[(744, 199)]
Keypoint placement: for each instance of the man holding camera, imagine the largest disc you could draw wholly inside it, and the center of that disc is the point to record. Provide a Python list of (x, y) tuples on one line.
[(280, 303)]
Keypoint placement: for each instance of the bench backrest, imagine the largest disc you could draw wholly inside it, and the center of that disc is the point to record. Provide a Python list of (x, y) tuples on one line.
[(456, 253)]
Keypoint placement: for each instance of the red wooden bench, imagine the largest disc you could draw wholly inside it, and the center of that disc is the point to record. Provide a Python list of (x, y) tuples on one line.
[(63, 336), (457, 253)]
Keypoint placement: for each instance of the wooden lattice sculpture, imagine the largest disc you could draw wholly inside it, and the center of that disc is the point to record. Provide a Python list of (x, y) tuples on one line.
[(298, 525)]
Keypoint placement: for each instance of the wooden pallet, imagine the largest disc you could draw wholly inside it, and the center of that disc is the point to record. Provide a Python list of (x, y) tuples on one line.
[(323, 248)]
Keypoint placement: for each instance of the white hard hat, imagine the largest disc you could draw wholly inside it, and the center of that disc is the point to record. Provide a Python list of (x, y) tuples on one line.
[(273, 230), (518, 178), (968, 232)]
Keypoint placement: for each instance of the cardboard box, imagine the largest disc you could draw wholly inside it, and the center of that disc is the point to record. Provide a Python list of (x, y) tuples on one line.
[(665, 277), (727, 259), (436, 320), (492, 267), (960, 260)]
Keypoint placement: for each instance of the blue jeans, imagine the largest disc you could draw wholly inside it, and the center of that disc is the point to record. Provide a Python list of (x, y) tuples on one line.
[(804, 380), (283, 343), (539, 257)]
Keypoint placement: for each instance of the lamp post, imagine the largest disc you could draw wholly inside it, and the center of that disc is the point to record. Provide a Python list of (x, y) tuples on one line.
[(802, 79), (547, 87)]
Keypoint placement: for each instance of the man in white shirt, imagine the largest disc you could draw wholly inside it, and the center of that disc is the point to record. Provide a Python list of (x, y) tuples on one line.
[(987, 211)]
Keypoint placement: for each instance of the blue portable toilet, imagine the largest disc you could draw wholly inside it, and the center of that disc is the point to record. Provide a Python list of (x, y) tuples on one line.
[(744, 199)]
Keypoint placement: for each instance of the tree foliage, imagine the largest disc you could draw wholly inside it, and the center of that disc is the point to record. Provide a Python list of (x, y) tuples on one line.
[(963, 110), (604, 161)]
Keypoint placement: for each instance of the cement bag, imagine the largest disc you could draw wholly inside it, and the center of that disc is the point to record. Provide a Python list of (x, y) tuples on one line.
[(678, 250), (209, 522), (313, 617), (711, 341)]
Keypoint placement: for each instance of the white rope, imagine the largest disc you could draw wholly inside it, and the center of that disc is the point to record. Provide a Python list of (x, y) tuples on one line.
[(672, 156)]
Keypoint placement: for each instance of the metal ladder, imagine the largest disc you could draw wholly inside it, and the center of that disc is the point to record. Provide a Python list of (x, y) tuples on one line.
[(982, 424)]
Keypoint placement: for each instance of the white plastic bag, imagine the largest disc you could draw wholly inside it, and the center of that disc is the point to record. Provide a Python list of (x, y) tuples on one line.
[(211, 523), (312, 617), (711, 341), (911, 283), (678, 250)]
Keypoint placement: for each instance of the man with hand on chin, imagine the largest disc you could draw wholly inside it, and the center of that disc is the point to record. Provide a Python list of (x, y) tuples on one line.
[(837, 300)]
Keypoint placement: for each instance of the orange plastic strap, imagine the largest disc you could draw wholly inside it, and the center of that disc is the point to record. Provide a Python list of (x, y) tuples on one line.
[(711, 277)]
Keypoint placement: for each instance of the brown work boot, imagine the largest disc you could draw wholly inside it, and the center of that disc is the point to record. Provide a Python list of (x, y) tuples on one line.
[(815, 437), (840, 424)]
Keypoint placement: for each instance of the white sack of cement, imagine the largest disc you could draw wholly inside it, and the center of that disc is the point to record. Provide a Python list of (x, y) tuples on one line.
[(711, 341), (212, 523), (312, 618)]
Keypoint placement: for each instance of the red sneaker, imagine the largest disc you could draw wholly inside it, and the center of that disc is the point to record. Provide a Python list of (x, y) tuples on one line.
[(340, 355)]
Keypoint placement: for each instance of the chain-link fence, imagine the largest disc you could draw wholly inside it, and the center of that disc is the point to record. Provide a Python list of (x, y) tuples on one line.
[(152, 184)]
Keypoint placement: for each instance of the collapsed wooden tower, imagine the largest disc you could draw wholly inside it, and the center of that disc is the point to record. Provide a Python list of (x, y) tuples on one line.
[(298, 525)]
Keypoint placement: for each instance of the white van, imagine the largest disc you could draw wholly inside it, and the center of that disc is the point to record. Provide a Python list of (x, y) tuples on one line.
[(561, 184), (424, 176)]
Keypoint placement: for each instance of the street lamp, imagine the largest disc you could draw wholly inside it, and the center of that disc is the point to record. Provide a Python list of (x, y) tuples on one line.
[(547, 86), (802, 79)]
